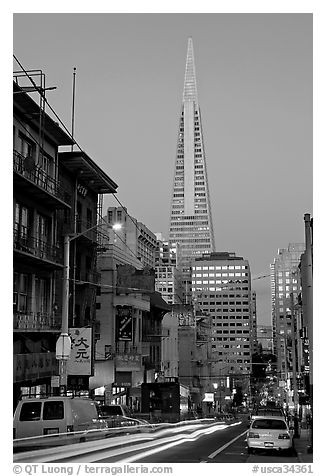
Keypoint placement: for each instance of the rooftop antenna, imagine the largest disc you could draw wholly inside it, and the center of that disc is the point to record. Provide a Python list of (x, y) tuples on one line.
[(73, 106)]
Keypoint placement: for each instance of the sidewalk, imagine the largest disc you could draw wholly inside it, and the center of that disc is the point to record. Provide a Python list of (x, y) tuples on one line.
[(301, 445)]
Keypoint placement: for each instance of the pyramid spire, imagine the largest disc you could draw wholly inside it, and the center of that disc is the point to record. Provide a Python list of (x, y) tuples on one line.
[(190, 86), (191, 223)]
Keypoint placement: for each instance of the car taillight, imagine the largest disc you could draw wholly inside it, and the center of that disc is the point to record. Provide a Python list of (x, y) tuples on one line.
[(253, 435), (284, 436), (70, 428)]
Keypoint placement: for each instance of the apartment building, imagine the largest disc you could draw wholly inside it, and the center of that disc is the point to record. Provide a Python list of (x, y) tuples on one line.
[(54, 194)]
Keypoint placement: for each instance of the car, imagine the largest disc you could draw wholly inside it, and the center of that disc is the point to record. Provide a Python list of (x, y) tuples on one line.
[(269, 433), (119, 416), (266, 411), (108, 411), (39, 416)]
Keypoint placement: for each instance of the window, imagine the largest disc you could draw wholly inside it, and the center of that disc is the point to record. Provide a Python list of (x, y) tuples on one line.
[(42, 294), (265, 424), (21, 290), (30, 411), (42, 230), (26, 147), (89, 217), (53, 410), (22, 220)]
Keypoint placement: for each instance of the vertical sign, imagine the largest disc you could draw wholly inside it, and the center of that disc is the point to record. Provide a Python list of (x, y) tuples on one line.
[(80, 362), (124, 323)]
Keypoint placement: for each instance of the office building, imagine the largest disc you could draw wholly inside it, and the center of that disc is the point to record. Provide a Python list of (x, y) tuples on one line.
[(190, 217), (221, 286)]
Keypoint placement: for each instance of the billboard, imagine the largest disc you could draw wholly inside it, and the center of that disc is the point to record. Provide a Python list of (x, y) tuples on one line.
[(80, 362)]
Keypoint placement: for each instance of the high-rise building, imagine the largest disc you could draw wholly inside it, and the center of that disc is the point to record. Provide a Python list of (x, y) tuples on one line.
[(190, 219), (221, 287), (285, 285)]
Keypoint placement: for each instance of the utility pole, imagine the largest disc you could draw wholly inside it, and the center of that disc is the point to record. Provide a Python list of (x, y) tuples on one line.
[(294, 355), (63, 346), (307, 299)]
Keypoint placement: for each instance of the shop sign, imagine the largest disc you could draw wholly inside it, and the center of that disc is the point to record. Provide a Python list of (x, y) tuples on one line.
[(186, 319), (124, 323), (80, 362), (128, 361), (209, 397), (122, 379), (55, 381)]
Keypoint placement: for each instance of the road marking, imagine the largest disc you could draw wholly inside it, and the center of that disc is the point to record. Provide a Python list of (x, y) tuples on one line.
[(212, 455)]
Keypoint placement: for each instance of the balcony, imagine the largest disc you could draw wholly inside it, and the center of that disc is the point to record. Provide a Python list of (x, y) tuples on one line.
[(33, 366), (88, 278), (91, 235), (32, 180), (36, 322), (37, 252)]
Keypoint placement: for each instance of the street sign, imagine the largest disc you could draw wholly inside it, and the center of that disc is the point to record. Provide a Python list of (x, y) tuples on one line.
[(63, 347), (55, 381)]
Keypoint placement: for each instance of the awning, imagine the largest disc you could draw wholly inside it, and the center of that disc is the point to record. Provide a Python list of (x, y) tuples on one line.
[(158, 302)]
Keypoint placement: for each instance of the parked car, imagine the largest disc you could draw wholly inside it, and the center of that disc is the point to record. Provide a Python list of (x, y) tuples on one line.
[(54, 415), (269, 433), (266, 411)]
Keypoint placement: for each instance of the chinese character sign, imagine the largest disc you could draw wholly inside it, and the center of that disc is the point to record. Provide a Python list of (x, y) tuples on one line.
[(124, 323), (80, 362), (186, 318)]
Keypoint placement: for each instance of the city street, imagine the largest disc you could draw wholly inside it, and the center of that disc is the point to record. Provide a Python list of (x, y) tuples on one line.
[(196, 443)]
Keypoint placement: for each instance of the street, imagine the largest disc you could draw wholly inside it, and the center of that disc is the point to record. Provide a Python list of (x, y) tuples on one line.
[(197, 443)]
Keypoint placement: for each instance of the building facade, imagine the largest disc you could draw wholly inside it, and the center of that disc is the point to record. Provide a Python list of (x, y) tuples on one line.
[(190, 216), (51, 200), (285, 288), (131, 236), (265, 339), (167, 273), (221, 286)]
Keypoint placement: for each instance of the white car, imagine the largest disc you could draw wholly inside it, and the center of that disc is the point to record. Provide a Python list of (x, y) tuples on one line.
[(269, 433)]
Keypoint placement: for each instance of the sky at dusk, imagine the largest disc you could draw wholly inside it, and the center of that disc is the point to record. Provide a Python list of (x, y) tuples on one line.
[(255, 89)]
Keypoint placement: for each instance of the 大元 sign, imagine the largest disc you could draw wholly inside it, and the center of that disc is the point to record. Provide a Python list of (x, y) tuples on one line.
[(80, 362)]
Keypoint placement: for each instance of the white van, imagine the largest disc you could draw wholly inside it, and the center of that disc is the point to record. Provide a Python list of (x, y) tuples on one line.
[(53, 415)]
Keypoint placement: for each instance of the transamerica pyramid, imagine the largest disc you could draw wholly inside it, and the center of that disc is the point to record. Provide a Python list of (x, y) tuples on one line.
[(190, 216)]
